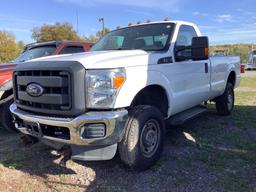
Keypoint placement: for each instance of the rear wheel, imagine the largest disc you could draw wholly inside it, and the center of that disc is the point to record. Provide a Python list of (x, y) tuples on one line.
[(143, 141), (225, 103), (6, 117)]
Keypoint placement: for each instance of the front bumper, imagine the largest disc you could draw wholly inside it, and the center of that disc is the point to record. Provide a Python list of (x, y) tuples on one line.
[(31, 124)]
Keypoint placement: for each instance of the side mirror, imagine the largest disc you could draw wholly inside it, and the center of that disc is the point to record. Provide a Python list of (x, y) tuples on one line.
[(200, 48), (177, 50)]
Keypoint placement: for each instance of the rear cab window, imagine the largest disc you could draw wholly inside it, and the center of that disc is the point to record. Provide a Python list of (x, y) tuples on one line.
[(69, 49)]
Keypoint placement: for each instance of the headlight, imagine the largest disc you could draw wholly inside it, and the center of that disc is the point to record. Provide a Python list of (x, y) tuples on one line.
[(6, 86), (103, 87)]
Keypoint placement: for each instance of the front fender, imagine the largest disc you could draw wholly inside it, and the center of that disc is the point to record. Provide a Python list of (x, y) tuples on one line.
[(6, 86), (137, 79)]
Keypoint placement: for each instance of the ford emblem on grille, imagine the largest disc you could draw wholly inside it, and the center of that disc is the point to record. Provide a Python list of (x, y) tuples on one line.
[(34, 90)]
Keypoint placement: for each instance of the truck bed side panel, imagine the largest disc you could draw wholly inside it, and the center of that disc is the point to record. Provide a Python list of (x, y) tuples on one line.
[(221, 67)]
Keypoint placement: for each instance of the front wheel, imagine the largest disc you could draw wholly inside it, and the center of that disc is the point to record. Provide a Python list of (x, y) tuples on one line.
[(225, 103), (143, 141), (6, 118)]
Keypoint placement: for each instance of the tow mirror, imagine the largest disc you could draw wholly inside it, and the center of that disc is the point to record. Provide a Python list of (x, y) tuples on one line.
[(200, 48), (180, 48), (177, 50)]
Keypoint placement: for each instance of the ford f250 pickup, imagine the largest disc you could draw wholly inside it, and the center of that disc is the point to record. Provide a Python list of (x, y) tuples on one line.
[(121, 95), (31, 51)]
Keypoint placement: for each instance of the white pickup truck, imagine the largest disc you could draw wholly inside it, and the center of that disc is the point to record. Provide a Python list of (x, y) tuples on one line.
[(119, 96)]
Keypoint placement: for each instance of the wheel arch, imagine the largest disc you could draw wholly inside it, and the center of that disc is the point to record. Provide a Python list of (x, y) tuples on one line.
[(154, 95), (7, 90), (232, 78), (138, 81)]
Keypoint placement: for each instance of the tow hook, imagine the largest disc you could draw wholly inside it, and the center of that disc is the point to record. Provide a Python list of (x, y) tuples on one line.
[(28, 140), (65, 153)]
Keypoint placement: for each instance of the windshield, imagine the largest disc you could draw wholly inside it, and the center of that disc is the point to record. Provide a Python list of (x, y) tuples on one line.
[(153, 37), (36, 52)]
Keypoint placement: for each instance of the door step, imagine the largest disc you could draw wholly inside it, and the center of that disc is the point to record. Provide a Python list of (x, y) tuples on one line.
[(187, 115)]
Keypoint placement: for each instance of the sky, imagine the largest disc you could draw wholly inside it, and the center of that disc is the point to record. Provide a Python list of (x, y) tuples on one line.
[(224, 21)]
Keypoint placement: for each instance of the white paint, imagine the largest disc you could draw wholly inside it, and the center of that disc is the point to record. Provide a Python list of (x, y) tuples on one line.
[(185, 83)]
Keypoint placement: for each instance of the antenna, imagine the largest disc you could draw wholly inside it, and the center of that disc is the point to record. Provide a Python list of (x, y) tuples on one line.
[(77, 22)]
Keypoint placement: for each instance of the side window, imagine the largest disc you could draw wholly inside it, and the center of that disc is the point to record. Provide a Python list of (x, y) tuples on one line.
[(72, 49), (185, 36)]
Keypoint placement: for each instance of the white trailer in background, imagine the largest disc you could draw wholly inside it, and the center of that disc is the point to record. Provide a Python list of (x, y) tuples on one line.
[(252, 61)]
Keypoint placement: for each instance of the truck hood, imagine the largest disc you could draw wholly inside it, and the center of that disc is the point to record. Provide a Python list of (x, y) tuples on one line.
[(6, 72), (104, 59), (6, 67)]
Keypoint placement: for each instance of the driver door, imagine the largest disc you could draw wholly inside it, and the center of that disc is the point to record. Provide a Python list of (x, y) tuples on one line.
[(190, 80)]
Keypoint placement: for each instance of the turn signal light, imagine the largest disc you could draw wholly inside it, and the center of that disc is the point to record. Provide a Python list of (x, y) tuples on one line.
[(206, 51), (118, 81)]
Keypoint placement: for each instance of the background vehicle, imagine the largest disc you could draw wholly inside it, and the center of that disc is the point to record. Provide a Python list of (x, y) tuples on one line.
[(252, 61), (118, 96), (31, 51), (220, 53)]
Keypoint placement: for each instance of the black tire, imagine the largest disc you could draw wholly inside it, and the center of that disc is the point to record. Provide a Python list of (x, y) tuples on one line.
[(143, 140), (225, 103), (6, 119)]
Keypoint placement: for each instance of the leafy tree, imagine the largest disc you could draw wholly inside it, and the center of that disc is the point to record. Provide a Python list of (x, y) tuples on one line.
[(8, 47), (91, 38), (21, 45), (56, 32), (100, 33), (96, 37)]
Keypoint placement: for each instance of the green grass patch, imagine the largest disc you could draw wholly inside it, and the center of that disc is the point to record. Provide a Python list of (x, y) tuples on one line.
[(248, 82), (225, 146), (246, 98), (11, 165)]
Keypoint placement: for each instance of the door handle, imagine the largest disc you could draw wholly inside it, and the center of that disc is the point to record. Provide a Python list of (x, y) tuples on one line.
[(206, 68)]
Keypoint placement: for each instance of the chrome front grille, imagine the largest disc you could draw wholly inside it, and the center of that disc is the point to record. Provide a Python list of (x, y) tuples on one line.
[(56, 86), (50, 88)]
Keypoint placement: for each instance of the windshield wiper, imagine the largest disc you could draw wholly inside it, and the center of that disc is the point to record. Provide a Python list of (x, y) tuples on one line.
[(21, 61), (115, 49)]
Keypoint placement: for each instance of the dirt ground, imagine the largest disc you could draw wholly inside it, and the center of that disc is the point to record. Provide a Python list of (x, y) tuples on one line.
[(208, 154)]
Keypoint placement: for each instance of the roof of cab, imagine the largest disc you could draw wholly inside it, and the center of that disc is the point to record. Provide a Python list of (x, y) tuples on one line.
[(157, 22), (54, 43)]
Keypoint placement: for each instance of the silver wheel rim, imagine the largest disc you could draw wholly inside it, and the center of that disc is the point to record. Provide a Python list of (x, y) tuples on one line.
[(230, 100), (149, 138)]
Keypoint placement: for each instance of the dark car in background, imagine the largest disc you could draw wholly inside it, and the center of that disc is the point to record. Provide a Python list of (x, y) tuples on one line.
[(31, 51)]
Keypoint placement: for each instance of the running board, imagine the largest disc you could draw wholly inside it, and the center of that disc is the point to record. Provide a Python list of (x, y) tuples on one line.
[(187, 115)]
